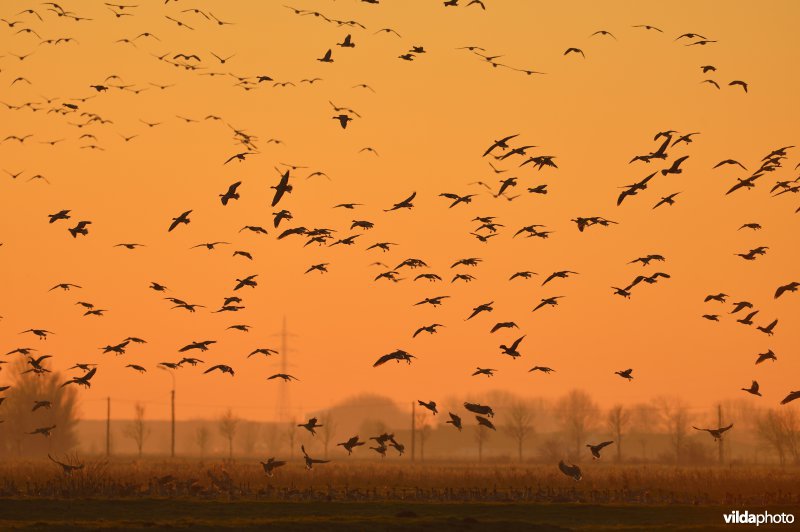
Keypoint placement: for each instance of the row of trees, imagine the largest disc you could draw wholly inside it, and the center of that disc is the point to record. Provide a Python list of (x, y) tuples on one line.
[(561, 428)]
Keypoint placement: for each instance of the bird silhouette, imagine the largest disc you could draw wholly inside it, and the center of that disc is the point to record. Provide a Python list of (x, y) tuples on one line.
[(595, 449), (753, 389), (715, 433), (572, 471)]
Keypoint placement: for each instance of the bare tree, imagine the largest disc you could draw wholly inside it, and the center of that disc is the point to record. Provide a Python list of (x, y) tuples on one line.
[(520, 424), (643, 419), (618, 419), (136, 429), (228, 423), (328, 430), (15, 412), (779, 428), (578, 415), (201, 437), (250, 435), (481, 435), (673, 415)]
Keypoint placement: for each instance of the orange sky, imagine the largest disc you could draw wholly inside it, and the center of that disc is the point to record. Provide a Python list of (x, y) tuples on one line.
[(430, 120)]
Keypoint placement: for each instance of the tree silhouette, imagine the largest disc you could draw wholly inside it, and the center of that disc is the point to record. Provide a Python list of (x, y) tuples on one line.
[(578, 414), (328, 430), (673, 414), (228, 424), (15, 411), (618, 419), (519, 425), (201, 437), (136, 429)]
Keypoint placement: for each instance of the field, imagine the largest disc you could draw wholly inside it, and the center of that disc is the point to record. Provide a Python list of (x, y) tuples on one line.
[(132, 495)]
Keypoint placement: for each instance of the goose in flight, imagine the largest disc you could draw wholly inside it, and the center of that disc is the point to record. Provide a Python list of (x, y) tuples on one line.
[(430, 329), (769, 328), (504, 325), (68, 469), (543, 369), (455, 421), (484, 371), (483, 422), (502, 143), (595, 449), (283, 187), (285, 376), (668, 200), (740, 305), (41, 333), (64, 286), (563, 274), (263, 351), (430, 406), (748, 320), (715, 297), (476, 408), (552, 301), (44, 431), (82, 380), (271, 465), (326, 58), (753, 389), (769, 355), (625, 374), (635, 188), (311, 461), (182, 219), (350, 444), (405, 204), (60, 215), (231, 193), (200, 346), (472, 261), (740, 83), (575, 51), (222, 368), (791, 287), (512, 350), (486, 307), (310, 425), (675, 168), (210, 245), (715, 433), (41, 404), (647, 259), (247, 281), (523, 275), (397, 355), (80, 229), (433, 301), (572, 471), (791, 397)]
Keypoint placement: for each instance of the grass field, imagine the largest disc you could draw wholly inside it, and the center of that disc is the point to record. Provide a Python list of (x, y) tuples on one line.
[(362, 495)]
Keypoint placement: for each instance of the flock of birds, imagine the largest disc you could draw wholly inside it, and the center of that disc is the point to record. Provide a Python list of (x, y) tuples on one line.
[(500, 154)]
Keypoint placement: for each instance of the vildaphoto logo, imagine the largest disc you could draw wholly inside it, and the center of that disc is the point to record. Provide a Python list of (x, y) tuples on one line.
[(747, 518)]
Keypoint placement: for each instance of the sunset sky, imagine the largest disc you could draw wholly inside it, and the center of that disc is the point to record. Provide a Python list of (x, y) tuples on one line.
[(430, 120)]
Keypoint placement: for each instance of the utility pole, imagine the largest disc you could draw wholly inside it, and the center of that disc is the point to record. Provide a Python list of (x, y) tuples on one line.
[(720, 443), (108, 427), (173, 422), (413, 431), (283, 406), (172, 407)]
